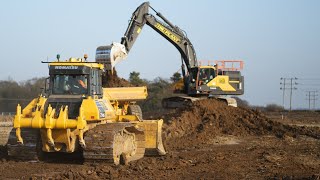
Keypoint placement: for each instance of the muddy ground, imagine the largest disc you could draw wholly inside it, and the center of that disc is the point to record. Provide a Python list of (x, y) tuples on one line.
[(207, 141)]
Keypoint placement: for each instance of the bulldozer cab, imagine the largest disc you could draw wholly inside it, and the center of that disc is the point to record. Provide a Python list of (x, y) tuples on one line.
[(75, 79)]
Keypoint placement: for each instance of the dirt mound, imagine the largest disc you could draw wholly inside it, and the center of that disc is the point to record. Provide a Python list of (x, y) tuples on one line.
[(113, 80), (208, 119)]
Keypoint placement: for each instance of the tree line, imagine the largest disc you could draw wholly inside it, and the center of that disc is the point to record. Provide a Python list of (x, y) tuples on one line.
[(13, 93), (158, 89)]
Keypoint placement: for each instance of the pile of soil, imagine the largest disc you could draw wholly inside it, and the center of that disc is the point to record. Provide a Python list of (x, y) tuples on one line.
[(113, 80), (211, 118)]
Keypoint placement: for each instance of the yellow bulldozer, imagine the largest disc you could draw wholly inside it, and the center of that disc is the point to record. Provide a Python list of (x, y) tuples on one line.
[(76, 114)]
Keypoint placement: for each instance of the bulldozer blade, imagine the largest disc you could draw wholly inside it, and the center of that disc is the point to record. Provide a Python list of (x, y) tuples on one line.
[(153, 137)]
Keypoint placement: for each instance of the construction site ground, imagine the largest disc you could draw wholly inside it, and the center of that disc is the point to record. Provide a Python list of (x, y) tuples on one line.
[(207, 141)]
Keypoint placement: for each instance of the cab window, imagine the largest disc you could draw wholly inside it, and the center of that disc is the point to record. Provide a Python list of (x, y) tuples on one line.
[(70, 84), (206, 75)]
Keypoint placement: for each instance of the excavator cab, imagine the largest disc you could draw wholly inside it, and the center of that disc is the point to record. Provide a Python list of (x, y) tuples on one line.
[(199, 77), (215, 79), (205, 75)]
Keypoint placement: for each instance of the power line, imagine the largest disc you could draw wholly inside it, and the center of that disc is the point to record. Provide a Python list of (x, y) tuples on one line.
[(308, 79), (306, 84), (309, 89)]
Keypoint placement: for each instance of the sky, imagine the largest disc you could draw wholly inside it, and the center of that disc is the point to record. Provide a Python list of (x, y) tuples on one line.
[(274, 38)]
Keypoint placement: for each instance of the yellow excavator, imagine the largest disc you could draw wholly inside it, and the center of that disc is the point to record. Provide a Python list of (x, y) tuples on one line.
[(76, 114), (200, 78)]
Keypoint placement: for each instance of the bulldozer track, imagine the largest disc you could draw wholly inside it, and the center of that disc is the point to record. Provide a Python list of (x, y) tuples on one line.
[(106, 143), (29, 150)]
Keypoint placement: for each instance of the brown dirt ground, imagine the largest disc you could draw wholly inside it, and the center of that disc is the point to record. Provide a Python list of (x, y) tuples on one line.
[(207, 141)]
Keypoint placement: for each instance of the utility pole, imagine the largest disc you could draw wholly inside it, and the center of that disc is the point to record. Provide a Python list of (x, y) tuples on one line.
[(309, 99), (312, 96), (291, 87), (283, 88)]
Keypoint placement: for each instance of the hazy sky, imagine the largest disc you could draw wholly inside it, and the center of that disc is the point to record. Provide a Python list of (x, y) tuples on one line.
[(274, 38)]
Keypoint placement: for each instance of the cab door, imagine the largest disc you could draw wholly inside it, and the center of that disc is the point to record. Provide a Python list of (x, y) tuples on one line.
[(192, 81), (205, 75)]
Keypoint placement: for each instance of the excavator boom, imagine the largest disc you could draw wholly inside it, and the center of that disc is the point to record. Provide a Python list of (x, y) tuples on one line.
[(173, 34)]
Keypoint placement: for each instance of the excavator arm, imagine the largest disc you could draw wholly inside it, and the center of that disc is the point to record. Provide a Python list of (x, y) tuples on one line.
[(165, 28)]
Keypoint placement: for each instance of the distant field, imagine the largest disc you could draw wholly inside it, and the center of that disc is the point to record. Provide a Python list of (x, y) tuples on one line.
[(6, 118)]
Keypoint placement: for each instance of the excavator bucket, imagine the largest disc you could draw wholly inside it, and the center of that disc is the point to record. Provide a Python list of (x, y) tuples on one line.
[(111, 55), (153, 137)]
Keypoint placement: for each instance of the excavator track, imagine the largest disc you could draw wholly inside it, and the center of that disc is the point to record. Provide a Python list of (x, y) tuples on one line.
[(29, 150), (178, 102), (114, 143), (186, 101)]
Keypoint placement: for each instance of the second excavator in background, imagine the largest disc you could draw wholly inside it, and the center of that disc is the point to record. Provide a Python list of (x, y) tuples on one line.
[(200, 79)]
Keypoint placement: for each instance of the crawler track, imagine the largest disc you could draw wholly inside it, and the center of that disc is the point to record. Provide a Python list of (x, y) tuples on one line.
[(187, 101), (29, 150), (114, 143)]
